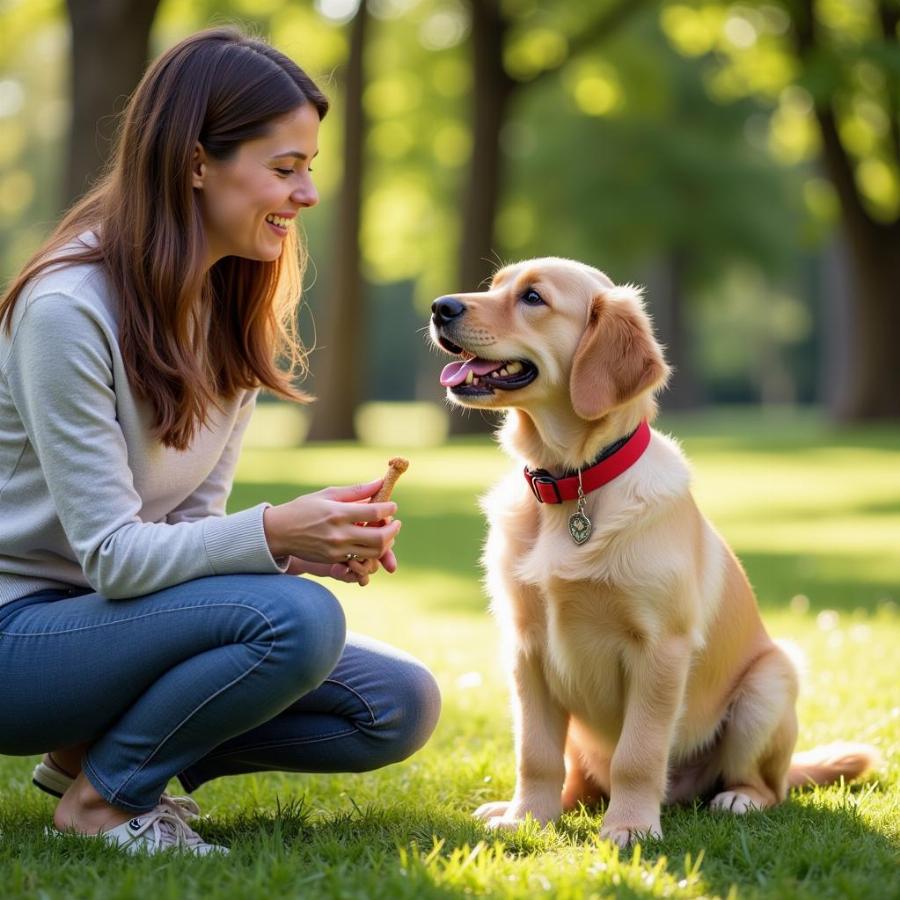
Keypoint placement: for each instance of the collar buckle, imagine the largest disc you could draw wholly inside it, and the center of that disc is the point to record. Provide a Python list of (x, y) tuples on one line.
[(540, 478)]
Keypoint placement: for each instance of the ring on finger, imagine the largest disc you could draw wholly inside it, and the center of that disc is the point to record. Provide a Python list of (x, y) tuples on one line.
[(354, 556)]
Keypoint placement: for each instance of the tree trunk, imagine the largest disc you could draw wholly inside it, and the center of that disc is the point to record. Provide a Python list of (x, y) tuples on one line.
[(874, 388), (874, 372), (493, 88), (339, 365), (110, 46)]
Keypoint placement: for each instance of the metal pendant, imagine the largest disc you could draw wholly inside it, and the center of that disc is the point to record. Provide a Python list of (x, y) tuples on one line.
[(580, 526)]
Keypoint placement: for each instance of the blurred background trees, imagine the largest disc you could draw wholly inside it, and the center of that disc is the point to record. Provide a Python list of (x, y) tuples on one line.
[(741, 160)]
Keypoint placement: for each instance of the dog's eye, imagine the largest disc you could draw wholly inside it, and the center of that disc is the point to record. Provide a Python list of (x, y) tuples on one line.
[(532, 297)]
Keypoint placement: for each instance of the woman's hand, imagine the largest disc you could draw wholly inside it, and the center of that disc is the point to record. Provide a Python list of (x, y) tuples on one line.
[(351, 571), (330, 527)]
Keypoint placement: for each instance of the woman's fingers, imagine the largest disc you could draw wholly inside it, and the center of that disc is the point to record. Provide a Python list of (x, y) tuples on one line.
[(373, 543), (361, 569), (369, 512), (389, 561), (353, 493)]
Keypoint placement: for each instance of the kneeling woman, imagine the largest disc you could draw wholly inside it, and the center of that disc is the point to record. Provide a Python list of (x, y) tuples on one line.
[(144, 633)]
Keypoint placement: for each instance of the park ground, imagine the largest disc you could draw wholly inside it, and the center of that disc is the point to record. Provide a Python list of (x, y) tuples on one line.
[(814, 514)]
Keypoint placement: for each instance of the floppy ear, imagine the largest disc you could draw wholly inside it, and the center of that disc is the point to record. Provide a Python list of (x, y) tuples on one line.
[(618, 357)]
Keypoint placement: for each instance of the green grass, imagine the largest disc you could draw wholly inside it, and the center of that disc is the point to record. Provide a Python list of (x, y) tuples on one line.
[(814, 514)]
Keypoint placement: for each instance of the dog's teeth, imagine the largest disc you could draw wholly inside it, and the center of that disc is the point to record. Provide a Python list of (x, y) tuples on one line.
[(503, 373), (470, 377), (514, 368), (475, 380)]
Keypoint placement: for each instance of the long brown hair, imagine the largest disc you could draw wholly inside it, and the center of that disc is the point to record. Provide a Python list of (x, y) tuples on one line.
[(219, 88)]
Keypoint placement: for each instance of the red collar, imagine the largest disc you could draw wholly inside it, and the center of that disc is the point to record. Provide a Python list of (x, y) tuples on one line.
[(612, 463)]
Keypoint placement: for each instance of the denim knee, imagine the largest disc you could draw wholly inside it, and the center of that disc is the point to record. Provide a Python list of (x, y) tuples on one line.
[(308, 629), (421, 699), (405, 728)]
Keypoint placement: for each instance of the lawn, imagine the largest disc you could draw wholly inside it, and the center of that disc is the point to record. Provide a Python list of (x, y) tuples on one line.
[(815, 516)]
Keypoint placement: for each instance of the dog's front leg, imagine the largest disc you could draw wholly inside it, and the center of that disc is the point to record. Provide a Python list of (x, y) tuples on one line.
[(639, 764), (540, 733)]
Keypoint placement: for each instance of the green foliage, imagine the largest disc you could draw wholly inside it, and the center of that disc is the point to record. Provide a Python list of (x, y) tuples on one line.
[(854, 70), (33, 117), (662, 169), (686, 136)]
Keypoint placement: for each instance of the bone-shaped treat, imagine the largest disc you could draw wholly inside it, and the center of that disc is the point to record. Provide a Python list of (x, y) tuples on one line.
[(396, 467)]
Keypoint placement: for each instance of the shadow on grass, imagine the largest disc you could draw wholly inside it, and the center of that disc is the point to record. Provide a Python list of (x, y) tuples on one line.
[(827, 581), (800, 848)]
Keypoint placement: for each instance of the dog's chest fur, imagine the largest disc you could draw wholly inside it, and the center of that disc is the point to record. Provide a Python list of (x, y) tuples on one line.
[(589, 633)]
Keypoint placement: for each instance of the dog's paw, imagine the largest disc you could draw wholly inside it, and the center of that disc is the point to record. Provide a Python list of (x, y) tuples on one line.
[(733, 802), (505, 823), (625, 835), (492, 810), (508, 815)]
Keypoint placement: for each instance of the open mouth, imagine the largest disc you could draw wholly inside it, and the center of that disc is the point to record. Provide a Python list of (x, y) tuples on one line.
[(279, 224), (472, 376)]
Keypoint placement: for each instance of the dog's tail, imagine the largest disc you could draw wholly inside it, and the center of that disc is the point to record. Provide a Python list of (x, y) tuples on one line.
[(831, 762)]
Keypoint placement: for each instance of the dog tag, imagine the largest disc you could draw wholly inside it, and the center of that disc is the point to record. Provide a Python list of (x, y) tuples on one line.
[(580, 526)]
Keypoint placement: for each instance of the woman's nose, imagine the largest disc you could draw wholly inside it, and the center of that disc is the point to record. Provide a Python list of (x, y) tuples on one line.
[(306, 195)]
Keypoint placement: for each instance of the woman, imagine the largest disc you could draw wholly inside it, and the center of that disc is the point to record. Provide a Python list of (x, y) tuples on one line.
[(144, 633)]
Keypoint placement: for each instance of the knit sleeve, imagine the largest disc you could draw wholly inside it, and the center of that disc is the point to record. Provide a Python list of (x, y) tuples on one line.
[(60, 375)]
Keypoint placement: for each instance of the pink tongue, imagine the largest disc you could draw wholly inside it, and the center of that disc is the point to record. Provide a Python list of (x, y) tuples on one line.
[(456, 372)]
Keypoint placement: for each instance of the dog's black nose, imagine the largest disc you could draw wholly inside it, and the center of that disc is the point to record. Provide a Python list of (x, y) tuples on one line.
[(445, 309)]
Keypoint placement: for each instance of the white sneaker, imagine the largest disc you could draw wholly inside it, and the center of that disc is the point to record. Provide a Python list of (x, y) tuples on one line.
[(157, 831)]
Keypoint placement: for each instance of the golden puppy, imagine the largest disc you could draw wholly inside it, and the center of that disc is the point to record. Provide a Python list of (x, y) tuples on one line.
[(641, 671)]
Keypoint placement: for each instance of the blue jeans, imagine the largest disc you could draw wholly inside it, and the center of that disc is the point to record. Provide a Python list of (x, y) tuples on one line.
[(218, 676)]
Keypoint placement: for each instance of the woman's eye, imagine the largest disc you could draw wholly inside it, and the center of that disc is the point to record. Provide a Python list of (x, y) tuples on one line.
[(285, 172), (532, 297)]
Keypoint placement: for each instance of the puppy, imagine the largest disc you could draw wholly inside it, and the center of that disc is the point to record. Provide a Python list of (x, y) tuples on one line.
[(641, 671)]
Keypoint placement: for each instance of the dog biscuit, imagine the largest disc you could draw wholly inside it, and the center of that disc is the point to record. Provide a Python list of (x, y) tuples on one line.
[(396, 467)]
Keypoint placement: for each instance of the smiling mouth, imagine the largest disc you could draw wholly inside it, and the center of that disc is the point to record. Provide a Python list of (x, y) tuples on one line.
[(474, 376), (280, 223)]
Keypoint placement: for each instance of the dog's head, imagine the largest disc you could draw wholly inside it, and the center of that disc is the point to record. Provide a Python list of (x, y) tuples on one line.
[(548, 332)]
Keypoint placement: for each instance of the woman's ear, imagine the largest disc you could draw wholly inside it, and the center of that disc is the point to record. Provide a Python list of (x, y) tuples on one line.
[(618, 357), (198, 167)]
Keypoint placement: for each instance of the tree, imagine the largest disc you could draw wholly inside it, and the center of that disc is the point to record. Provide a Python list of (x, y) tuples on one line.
[(339, 364), (110, 46), (873, 232), (495, 90), (642, 173), (831, 72)]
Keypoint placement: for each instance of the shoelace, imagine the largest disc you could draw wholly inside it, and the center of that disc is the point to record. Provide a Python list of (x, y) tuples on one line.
[(183, 807), (169, 829)]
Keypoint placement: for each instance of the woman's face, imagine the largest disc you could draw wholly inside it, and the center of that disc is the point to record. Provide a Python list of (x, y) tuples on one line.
[(249, 201)]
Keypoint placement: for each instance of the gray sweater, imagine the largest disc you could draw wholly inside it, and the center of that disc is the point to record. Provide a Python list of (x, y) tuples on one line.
[(88, 497)]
